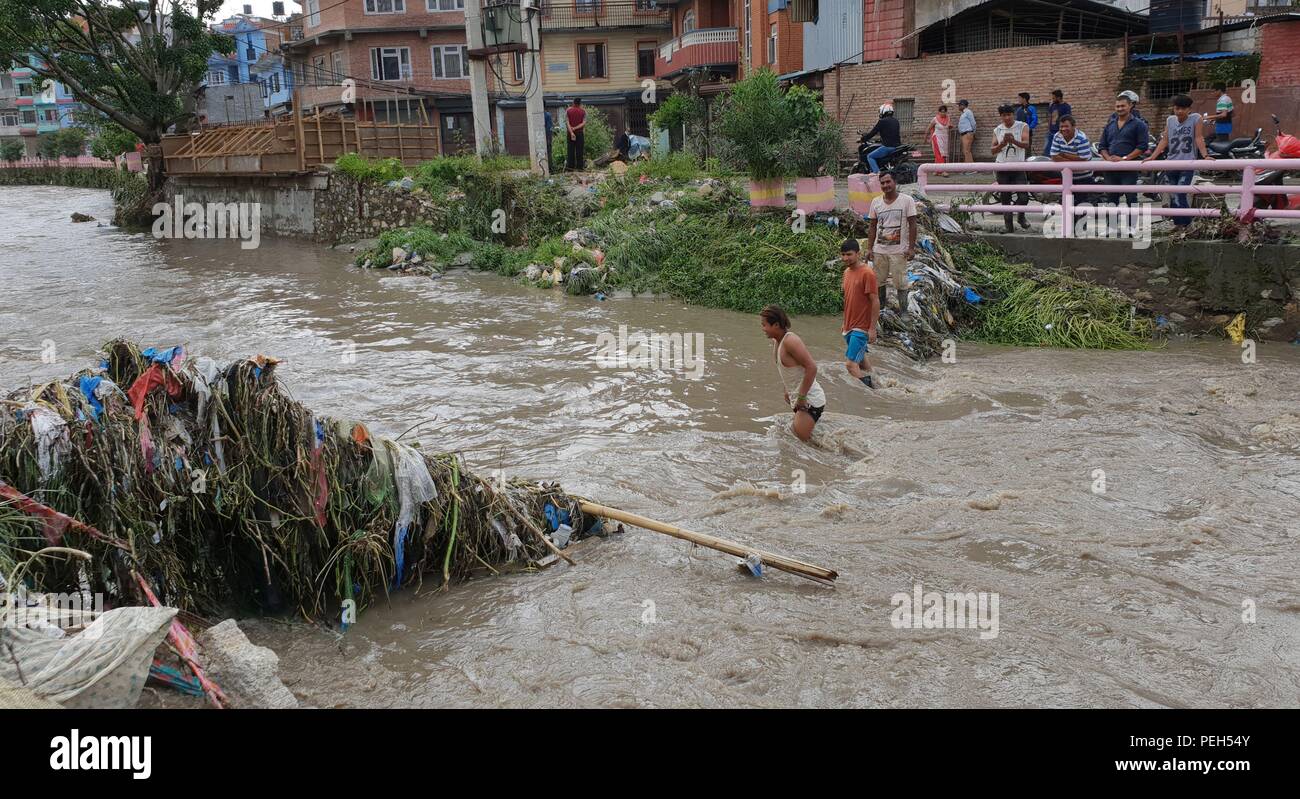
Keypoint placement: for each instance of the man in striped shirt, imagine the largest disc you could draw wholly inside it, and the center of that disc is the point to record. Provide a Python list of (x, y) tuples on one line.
[(1070, 144)]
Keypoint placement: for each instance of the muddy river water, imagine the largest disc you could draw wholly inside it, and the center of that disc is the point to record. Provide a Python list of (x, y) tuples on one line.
[(1135, 514)]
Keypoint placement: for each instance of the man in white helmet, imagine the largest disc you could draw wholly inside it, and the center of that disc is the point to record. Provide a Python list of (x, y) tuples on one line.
[(887, 128)]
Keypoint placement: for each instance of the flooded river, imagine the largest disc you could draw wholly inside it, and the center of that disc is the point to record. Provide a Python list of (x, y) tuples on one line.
[(1135, 514)]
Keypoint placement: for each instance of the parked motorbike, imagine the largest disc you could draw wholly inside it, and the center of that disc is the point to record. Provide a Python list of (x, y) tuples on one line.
[(900, 162), (1284, 146)]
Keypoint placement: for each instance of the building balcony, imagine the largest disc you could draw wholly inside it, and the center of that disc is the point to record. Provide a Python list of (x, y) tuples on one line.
[(704, 48)]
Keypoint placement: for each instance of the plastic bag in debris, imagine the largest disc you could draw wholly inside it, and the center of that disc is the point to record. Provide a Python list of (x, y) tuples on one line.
[(52, 443), (415, 487), (509, 539), (207, 380), (103, 666), (637, 145)]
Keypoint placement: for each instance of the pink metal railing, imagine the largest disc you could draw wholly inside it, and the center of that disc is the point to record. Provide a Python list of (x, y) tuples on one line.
[(1246, 191)]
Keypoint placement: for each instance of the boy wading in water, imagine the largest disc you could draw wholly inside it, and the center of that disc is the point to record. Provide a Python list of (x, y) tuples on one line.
[(861, 310), (797, 370)]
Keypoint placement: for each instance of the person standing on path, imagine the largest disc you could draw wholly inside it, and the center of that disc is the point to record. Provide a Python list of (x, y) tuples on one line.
[(1010, 143), (1125, 139), (938, 135), (1182, 139), (576, 119), (797, 370), (861, 310), (966, 130), (1027, 114), (1222, 116), (1057, 109), (891, 238)]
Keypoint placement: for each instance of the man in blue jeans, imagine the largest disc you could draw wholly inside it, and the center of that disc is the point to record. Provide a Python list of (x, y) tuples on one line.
[(890, 137), (1124, 139), (1183, 141)]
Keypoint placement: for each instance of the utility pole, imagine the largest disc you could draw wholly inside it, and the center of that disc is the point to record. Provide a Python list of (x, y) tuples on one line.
[(477, 75), (534, 96)]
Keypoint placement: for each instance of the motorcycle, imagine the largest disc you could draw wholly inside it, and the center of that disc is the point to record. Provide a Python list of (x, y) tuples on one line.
[(1284, 146), (1234, 149), (899, 162)]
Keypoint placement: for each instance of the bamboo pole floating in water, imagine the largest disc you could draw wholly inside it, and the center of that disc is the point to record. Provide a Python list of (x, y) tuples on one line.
[(808, 570)]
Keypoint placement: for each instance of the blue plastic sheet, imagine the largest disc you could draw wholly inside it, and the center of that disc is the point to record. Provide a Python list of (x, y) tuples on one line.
[(971, 296), (163, 356), (88, 385)]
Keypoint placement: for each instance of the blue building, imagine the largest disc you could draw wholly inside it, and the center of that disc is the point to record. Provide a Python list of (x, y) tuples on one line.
[(251, 39)]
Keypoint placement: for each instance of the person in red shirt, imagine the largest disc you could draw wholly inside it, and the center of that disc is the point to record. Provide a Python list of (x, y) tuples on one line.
[(577, 119), (861, 310)]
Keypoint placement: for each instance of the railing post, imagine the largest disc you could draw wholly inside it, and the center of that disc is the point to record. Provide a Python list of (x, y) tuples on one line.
[(1067, 201), (1247, 200)]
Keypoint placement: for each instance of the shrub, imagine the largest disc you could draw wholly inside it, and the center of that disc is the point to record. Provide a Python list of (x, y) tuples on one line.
[(365, 170), (677, 166)]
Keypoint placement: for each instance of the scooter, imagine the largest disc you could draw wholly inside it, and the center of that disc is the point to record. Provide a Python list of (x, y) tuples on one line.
[(1235, 149), (899, 161), (1284, 146)]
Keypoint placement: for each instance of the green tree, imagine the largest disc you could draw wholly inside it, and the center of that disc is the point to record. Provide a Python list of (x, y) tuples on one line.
[(135, 61), (108, 139), (12, 149)]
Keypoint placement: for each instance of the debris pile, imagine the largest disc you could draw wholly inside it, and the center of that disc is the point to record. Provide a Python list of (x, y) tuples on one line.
[(217, 488)]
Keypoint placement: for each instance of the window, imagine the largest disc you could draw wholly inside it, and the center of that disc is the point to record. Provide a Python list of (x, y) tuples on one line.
[(275, 82), (591, 61), (390, 63), (48, 115), (450, 61), (266, 88), (336, 63), (1166, 89), (647, 6), (587, 6), (444, 5), (9, 119), (313, 12), (385, 6), (749, 35), (25, 90), (771, 46), (29, 116), (217, 78), (645, 59), (519, 66), (250, 54), (319, 76), (904, 110), (688, 21)]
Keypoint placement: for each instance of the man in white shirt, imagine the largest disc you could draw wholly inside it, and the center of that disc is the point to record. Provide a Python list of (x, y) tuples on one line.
[(891, 237), (1010, 143)]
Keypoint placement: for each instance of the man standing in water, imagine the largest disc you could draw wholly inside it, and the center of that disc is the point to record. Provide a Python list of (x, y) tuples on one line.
[(797, 370), (891, 238), (861, 310)]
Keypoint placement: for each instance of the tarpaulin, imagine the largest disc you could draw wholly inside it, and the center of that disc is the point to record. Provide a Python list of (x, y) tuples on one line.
[(154, 376), (166, 356), (88, 384)]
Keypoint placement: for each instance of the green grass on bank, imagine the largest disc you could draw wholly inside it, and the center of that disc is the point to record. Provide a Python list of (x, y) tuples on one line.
[(707, 247)]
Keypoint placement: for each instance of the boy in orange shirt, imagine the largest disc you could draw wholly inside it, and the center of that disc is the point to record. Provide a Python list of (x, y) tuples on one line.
[(861, 310)]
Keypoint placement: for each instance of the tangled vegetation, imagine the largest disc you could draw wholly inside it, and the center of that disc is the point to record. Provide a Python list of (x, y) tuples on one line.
[(225, 493), (665, 228), (1029, 307)]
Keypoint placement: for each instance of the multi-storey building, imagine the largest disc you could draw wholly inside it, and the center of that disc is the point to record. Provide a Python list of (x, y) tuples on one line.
[(39, 105)]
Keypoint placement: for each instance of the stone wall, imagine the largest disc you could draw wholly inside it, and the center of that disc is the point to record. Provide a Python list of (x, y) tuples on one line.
[(327, 207)]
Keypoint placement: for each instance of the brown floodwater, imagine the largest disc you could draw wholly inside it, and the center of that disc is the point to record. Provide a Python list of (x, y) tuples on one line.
[(1173, 584)]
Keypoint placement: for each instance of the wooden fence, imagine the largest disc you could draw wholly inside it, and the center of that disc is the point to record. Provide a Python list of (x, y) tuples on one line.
[(296, 145)]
